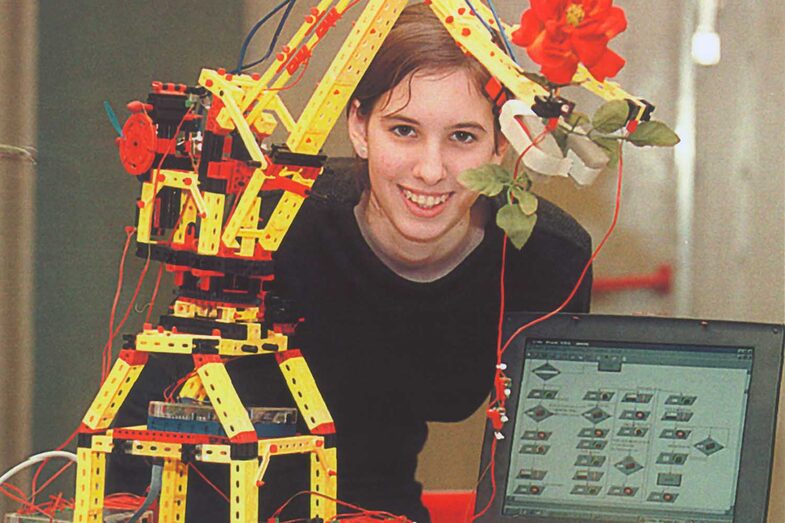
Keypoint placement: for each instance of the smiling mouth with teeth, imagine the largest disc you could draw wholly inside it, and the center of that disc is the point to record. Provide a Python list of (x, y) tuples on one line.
[(425, 201)]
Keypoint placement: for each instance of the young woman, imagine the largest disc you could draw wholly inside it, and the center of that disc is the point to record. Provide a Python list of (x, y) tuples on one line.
[(399, 284), (398, 281)]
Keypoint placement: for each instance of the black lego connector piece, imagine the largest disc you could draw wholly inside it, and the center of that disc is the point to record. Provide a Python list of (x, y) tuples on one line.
[(235, 331), (198, 90), (330, 440), (239, 150), (243, 451), (283, 156), (635, 107), (187, 453), (120, 446), (84, 440), (129, 341), (212, 151), (205, 347), (552, 107)]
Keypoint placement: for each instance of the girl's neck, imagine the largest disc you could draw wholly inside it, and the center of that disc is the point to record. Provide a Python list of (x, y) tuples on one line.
[(419, 261)]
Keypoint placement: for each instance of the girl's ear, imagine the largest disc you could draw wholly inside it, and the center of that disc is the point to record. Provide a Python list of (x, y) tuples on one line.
[(500, 151), (357, 124)]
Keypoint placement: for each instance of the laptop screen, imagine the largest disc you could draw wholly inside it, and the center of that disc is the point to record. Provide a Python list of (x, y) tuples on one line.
[(637, 419)]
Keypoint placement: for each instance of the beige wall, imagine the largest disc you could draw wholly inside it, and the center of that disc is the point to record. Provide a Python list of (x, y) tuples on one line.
[(17, 175)]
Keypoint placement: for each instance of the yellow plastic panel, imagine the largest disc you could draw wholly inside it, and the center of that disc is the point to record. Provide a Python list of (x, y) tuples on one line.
[(145, 221), (304, 391), (228, 407), (173, 492), (251, 221), (343, 75), (244, 498), (187, 217), (111, 395), (273, 233), (90, 478), (210, 230), (244, 207), (324, 480)]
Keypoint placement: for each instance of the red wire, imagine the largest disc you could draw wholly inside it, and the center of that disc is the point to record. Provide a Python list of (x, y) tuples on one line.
[(361, 511), (52, 478), (43, 463), (596, 252), (104, 364), (204, 478), (500, 401), (151, 303)]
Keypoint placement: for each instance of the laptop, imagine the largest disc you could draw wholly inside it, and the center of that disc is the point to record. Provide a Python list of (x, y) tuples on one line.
[(635, 419)]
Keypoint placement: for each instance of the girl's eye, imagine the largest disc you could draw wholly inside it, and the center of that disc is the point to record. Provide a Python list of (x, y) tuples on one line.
[(463, 137), (403, 131)]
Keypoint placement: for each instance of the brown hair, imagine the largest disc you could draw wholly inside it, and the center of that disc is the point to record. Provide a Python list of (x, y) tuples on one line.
[(417, 42)]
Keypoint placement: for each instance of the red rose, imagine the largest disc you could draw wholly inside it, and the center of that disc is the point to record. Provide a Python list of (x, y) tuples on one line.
[(558, 34)]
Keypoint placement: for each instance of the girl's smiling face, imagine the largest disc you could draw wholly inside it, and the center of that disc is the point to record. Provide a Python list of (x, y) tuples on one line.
[(417, 139)]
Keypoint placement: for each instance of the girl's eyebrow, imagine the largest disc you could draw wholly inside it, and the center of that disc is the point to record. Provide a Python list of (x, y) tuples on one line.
[(460, 125), (399, 118)]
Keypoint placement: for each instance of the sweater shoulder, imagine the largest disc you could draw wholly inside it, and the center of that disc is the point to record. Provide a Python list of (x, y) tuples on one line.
[(556, 225)]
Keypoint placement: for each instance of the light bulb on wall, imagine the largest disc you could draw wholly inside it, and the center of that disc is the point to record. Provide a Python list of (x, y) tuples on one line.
[(706, 46)]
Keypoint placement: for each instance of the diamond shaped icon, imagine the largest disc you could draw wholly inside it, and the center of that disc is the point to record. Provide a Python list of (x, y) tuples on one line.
[(628, 466), (596, 415), (539, 413), (709, 446), (546, 371)]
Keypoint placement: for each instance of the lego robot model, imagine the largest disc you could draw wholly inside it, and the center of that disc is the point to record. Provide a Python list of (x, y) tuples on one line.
[(215, 203)]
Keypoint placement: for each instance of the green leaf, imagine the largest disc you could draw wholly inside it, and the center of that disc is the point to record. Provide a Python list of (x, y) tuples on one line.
[(526, 201), (611, 146), (653, 133), (517, 225), (488, 179), (611, 116), (576, 119)]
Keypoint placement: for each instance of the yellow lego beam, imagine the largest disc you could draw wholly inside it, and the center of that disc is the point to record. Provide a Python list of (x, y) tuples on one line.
[(303, 388), (114, 390), (343, 75), (324, 480), (228, 407), (244, 496), (90, 478), (173, 492)]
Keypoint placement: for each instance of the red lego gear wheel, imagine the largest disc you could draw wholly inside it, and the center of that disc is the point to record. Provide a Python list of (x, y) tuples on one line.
[(137, 146)]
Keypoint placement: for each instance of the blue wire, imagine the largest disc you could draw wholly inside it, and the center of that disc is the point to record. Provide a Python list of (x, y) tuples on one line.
[(278, 30), (253, 31), (506, 40), (490, 30), (113, 118)]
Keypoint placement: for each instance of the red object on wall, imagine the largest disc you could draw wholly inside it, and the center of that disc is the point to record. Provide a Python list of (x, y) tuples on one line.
[(449, 506), (659, 281)]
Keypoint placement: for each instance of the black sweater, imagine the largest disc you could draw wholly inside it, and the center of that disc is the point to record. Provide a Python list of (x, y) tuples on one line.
[(388, 354)]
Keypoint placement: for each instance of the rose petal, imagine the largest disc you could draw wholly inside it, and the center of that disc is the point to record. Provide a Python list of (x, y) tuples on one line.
[(561, 72), (589, 48), (547, 9), (615, 22), (528, 31), (608, 65)]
